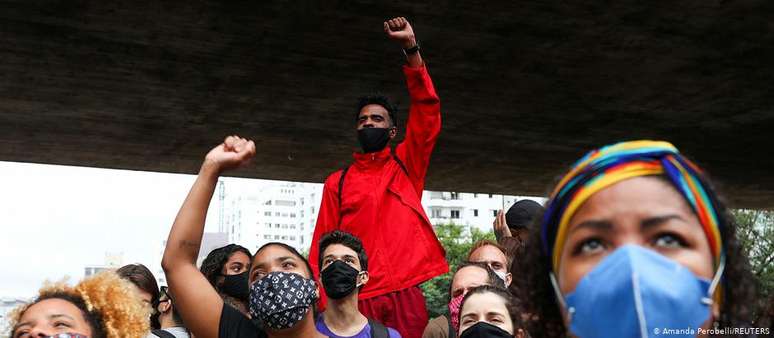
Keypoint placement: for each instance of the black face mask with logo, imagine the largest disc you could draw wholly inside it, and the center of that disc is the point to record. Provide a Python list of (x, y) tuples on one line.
[(339, 279), (373, 139), (236, 286)]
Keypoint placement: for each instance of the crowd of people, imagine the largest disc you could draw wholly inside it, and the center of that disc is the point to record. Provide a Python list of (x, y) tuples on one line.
[(633, 241)]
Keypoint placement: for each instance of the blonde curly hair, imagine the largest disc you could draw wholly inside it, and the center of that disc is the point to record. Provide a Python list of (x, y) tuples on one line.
[(110, 304)]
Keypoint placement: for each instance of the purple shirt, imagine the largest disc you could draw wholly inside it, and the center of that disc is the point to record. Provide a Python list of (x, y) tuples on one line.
[(364, 333)]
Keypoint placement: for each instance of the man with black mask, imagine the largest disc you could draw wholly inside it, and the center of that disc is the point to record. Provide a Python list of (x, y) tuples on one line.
[(344, 271), (378, 197)]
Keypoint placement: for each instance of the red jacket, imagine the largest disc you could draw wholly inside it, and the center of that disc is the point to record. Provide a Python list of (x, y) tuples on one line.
[(382, 203)]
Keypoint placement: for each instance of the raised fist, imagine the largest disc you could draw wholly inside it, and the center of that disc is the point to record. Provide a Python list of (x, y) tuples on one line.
[(400, 30), (233, 153)]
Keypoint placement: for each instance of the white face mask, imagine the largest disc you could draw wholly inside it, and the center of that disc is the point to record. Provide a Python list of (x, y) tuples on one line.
[(502, 276)]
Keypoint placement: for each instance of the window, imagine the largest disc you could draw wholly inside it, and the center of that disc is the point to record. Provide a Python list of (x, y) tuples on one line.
[(475, 195), (285, 203), (284, 214), (490, 195), (267, 202), (436, 213), (455, 214), (475, 212), (268, 213), (276, 236), (455, 196), (266, 236), (293, 226), (284, 237), (292, 215), (494, 213), (276, 213), (292, 238)]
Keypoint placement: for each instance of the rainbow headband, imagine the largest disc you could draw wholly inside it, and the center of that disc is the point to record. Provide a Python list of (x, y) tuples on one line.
[(606, 166)]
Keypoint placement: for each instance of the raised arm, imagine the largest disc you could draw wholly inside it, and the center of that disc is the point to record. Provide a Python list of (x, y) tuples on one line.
[(198, 302), (424, 120)]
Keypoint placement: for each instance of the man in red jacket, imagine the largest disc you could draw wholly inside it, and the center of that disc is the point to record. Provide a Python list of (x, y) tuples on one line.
[(378, 198)]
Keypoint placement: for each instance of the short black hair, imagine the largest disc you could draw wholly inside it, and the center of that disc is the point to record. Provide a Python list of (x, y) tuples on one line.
[(384, 101), (346, 239)]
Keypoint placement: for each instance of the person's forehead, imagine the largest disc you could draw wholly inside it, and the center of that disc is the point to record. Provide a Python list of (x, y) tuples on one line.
[(50, 307), (488, 253), (271, 255), (634, 198), (338, 250), (238, 256), (373, 109), (483, 303), (469, 275)]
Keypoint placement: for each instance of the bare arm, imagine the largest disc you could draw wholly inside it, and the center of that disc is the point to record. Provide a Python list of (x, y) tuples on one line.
[(399, 29), (198, 302)]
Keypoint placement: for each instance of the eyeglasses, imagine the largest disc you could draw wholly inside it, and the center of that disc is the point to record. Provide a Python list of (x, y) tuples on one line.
[(67, 335)]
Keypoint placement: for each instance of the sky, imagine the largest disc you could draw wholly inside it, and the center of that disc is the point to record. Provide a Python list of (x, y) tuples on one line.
[(55, 220)]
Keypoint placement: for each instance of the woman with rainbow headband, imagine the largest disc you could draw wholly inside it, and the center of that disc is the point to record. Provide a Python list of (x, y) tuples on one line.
[(635, 243)]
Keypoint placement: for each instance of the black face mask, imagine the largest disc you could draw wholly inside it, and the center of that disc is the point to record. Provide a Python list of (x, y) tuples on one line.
[(485, 330), (339, 279), (236, 286), (373, 139)]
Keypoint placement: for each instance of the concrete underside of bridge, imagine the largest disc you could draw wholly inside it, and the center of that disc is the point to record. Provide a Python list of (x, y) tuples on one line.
[(526, 87)]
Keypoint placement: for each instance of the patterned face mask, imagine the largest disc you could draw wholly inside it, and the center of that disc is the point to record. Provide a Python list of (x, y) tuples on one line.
[(281, 299)]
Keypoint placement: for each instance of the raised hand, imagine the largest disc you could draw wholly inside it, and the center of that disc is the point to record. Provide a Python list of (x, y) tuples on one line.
[(233, 153), (501, 229), (400, 30)]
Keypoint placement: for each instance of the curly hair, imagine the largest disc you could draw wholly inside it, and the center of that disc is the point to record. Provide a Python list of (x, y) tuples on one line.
[(538, 298), (212, 265), (109, 305)]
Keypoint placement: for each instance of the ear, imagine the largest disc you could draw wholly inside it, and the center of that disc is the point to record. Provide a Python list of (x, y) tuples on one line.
[(508, 280), (393, 132), (519, 333), (165, 307), (363, 276)]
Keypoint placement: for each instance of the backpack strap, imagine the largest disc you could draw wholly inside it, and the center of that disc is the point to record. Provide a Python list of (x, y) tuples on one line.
[(162, 334), (341, 187), (377, 329)]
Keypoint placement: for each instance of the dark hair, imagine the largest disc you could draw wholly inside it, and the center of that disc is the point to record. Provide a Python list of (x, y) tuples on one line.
[(539, 298), (487, 242), (392, 109), (144, 280), (510, 304), (93, 318), (212, 265), (175, 314), (491, 276), (293, 251), (346, 239), (522, 214)]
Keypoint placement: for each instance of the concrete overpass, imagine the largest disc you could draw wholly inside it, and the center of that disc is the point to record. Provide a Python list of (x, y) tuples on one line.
[(526, 87)]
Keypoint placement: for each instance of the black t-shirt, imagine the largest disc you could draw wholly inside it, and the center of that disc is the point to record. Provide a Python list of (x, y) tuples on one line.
[(234, 324)]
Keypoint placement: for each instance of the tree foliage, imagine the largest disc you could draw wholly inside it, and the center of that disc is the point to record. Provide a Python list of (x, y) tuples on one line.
[(457, 241), (755, 231)]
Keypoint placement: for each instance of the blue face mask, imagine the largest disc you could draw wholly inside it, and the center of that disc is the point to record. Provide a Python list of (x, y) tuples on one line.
[(634, 292)]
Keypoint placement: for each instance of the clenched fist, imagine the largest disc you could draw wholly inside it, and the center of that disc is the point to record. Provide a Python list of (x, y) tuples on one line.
[(233, 153), (400, 30)]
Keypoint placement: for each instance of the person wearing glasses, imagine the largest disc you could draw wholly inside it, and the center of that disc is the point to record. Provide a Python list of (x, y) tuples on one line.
[(100, 306), (172, 325)]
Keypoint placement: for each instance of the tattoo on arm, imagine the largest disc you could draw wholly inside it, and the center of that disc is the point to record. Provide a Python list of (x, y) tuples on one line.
[(186, 244)]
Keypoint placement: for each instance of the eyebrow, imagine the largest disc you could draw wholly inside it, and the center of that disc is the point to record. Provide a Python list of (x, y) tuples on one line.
[(658, 220), (596, 225)]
